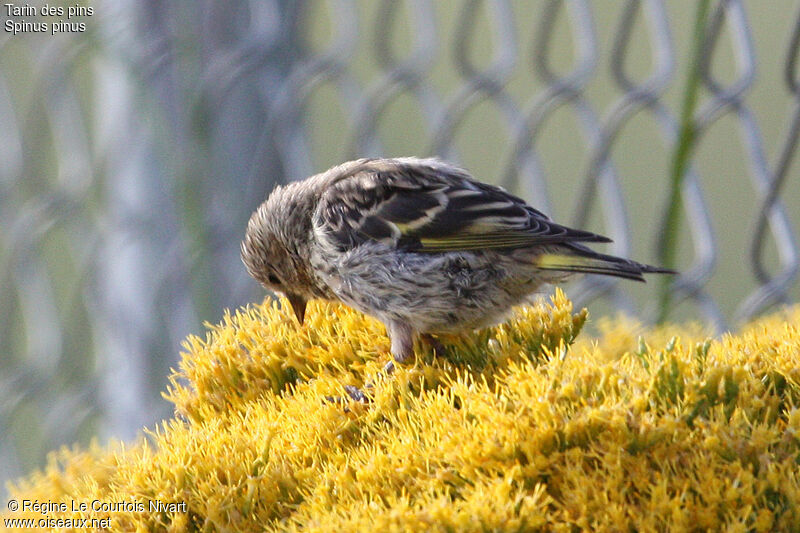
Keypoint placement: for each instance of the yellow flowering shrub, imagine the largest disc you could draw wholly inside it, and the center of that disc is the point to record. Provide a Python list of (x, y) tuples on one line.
[(513, 428)]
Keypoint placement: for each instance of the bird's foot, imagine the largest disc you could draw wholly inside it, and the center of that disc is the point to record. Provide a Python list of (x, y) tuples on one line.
[(361, 395), (357, 394), (353, 393)]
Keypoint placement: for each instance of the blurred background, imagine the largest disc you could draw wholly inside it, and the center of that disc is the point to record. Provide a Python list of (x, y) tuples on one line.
[(132, 154)]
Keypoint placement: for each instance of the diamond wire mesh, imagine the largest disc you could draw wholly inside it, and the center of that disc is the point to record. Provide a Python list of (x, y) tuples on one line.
[(132, 155)]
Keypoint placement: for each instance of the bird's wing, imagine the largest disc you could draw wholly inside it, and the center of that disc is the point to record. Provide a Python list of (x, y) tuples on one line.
[(434, 208)]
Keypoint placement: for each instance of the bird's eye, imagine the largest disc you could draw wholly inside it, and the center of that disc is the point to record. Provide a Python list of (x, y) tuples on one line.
[(273, 279)]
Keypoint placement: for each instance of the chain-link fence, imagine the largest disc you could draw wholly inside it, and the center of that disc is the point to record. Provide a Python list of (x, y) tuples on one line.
[(132, 153)]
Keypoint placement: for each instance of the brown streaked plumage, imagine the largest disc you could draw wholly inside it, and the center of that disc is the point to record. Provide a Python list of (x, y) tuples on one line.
[(417, 243)]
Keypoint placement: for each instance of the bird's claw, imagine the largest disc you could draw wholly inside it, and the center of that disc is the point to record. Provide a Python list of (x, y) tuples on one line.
[(357, 394), (353, 393)]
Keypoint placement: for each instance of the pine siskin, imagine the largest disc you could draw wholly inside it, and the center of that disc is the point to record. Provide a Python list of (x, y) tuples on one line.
[(416, 243)]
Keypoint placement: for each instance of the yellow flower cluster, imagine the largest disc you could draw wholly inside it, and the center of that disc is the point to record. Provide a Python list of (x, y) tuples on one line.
[(514, 428)]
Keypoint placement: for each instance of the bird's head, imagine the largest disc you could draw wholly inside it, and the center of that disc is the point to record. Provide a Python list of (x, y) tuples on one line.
[(275, 247)]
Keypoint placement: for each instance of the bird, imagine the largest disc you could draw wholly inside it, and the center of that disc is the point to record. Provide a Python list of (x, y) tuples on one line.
[(418, 244)]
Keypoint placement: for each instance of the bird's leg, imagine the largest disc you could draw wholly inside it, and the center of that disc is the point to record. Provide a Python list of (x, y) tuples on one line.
[(430, 340), (402, 337), (434, 343)]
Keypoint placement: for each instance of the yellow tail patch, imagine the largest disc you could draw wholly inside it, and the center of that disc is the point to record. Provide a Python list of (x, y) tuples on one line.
[(555, 261)]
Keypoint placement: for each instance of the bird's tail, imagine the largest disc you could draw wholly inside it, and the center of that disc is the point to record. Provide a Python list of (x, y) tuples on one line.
[(579, 258)]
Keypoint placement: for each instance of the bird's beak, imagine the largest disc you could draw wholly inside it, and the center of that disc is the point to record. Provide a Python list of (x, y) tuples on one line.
[(298, 304)]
